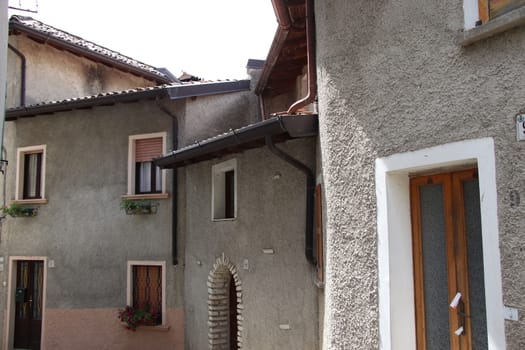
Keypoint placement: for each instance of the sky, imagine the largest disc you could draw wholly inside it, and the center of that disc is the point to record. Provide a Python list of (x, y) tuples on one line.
[(211, 39)]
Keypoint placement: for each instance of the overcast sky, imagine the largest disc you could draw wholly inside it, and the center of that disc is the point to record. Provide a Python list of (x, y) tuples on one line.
[(208, 38)]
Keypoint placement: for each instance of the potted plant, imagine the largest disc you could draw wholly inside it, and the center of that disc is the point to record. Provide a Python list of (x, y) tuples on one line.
[(134, 317), (138, 206), (16, 210)]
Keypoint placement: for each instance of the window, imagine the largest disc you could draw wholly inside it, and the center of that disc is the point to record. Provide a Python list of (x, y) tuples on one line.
[(147, 287), (30, 179), (224, 192), (144, 178), (478, 12), (490, 9)]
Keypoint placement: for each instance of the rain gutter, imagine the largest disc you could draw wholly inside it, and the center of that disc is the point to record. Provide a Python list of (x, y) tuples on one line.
[(311, 62), (250, 136)]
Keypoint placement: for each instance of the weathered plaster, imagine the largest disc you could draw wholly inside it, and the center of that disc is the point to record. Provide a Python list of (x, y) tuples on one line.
[(277, 289), (392, 79), (53, 74), (82, 228)]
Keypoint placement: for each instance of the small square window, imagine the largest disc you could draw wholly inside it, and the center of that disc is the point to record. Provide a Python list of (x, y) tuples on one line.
[(30, 179), (224, 190), (143, 176), (146, 288)]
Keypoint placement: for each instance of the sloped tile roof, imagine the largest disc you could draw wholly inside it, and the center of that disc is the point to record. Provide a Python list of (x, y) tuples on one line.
[(51, 35), (173, 91)]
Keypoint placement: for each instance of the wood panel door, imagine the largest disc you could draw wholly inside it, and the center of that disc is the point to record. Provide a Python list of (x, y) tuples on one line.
[(448, 259), (28, 299)]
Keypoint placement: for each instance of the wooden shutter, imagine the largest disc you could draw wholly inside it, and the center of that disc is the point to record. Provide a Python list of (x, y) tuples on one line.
[(147, 149), (147, 288), (489, 9), (319, 232)]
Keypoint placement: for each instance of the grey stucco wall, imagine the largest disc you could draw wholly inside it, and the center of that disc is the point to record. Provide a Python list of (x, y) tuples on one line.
[(53, 74), (393, 79), (82, 227), (276, 289), (208, 116)]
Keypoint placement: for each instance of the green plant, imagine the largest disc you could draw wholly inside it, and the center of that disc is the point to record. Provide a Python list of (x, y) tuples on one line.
[(134, 317), (138, 206), (15, 209)]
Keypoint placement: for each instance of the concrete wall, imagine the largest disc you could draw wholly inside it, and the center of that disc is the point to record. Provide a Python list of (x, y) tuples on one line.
[(53, 74), (83, 230), (277, 289), (393, 79)]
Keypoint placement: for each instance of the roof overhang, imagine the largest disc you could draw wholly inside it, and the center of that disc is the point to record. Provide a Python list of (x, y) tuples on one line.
[(287, 56), (78, 49), (279, 128), (174, 92)]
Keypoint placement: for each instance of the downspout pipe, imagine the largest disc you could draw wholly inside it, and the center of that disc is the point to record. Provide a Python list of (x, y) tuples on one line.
[(22, 73), (175, 182), (311, 61), (310, 193)]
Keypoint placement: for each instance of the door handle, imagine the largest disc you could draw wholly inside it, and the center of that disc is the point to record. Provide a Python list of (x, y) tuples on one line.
[(458, 304)]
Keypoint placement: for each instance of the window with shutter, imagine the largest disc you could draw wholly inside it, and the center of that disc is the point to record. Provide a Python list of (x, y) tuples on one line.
[(490, 9), (147, 287), (143, 176)]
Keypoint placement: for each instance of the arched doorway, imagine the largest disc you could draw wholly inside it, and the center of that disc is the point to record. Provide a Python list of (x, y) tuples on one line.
[(224, 306)]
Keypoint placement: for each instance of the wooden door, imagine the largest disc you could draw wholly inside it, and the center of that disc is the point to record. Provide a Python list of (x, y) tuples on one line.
[(448, 259), (28, 299)]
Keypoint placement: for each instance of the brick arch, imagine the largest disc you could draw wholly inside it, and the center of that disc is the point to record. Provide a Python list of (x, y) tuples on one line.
[(219, 280)]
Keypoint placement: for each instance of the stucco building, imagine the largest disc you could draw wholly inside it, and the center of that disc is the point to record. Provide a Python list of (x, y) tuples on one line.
[(423, 173), (220, 256)]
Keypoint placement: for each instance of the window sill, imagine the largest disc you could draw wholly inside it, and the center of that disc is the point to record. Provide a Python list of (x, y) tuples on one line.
[(493, 27), (159, 328), (225, 219), (146, 196), (30, 201)]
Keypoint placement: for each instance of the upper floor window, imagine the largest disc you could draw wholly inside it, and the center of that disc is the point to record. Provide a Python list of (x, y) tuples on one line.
[(478, 12), (30, 177), (143, 176), (224, 190)]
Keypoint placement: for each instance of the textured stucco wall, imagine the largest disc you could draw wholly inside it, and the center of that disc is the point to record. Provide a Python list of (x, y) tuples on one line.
[(208, 116), (52, 74), (392, 79), (276, 289), (82, 228)]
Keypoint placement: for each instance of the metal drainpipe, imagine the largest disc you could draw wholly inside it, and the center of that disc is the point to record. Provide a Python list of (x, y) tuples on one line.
[(174, 198), (310, 192), (310, 45), (22, 74)]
